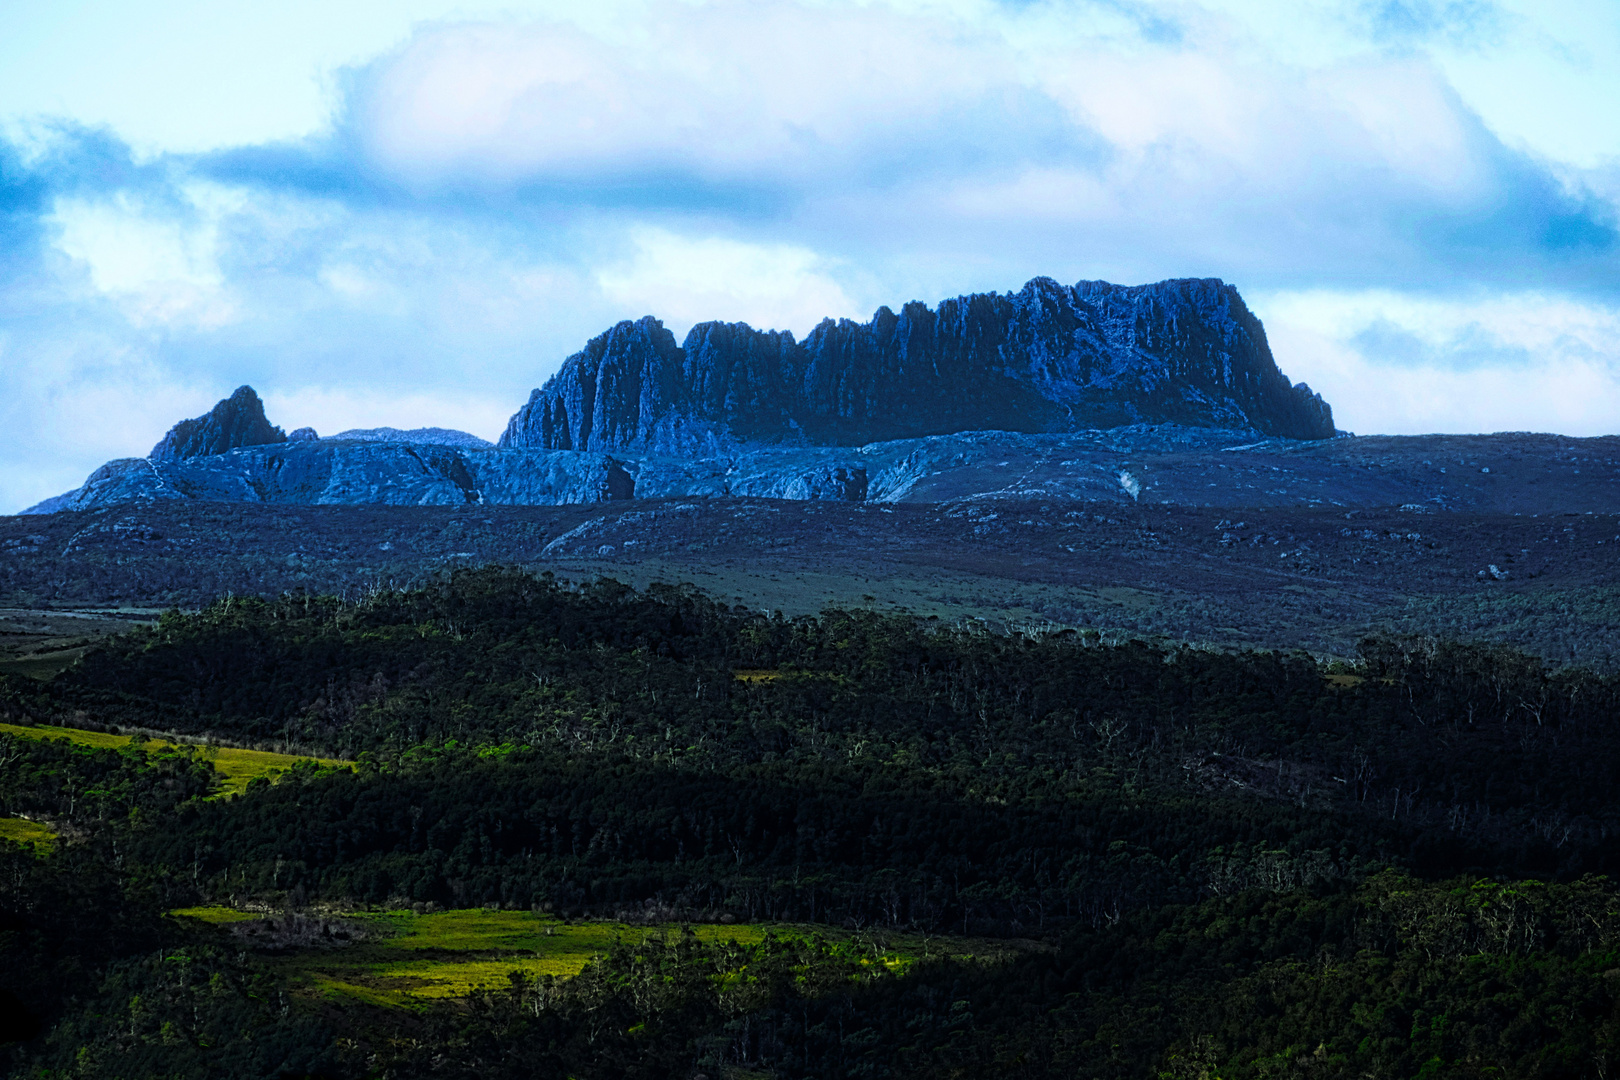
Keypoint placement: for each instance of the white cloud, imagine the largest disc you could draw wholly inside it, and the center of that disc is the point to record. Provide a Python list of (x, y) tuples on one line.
[(1236, 165), (884, 138), (74, 399), (191, 75), (330, 410), (683, 281), (1536, 323), (724, 91), (1399, 364), (798, 93), (158, 262)]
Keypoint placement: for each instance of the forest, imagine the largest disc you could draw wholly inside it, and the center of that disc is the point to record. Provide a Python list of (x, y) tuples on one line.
[(1199, 862)]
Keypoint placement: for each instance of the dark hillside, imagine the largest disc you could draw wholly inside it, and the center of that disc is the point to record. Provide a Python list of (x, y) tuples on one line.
[(868, 744), (1245, 861)]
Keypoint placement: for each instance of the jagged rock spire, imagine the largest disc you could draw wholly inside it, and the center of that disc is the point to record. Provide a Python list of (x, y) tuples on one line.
[(239, 420)]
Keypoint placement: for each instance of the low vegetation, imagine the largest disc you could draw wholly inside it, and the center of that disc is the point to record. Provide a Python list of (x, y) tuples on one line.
[(403, 959), (599, 832), (236, 767), (32, 834), (1313, 577)]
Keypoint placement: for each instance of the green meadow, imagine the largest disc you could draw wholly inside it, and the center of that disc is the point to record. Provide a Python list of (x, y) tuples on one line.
[(215, 915), (236, 768), (98, 739), (410, 959)]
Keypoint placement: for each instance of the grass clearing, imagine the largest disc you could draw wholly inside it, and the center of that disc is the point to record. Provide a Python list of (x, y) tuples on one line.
[(421, 958), (236, 768), (42, 838), (412, 960), (215, 914), (413, 983), (99, 739)]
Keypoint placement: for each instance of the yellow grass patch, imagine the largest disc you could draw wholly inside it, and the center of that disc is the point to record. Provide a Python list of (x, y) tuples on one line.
[(329, 986), (84, 738), (480, 930), (22, 831), (236, 768), (756, 676), (411, 982), (214, 914)]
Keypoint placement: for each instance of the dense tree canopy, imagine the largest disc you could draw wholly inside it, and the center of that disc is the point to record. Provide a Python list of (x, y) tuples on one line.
[(1243, 864)]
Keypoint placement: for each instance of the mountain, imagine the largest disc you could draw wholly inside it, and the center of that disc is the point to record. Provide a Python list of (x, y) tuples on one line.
[(1046, 359), (1158, 465), (1053, 382), (237, 421)]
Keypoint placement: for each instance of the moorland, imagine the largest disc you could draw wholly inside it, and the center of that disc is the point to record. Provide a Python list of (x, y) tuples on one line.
[(1313, 577)]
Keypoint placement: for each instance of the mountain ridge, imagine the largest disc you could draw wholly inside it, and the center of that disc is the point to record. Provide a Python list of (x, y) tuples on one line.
[(879, 410), (235, 422), (1049, 358), (1148, 465)]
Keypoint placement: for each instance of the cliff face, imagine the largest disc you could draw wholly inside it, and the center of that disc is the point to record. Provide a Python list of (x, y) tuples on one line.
[(1049, 358), (882, 410), (239, 420)]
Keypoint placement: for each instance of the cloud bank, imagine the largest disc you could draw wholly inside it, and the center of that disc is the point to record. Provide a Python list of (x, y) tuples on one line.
[(490, 194)]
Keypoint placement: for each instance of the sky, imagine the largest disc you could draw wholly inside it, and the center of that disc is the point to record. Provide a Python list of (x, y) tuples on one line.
[(410, 212)]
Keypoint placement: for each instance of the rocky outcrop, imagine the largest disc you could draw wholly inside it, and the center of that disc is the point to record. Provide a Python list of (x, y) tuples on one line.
[(237, 421), (619, 391), (430, 436), (329, 472), (1049, 358), (1037, 393), (1157, 465)]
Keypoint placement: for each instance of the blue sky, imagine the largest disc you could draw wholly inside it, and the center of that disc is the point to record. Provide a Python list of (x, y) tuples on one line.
[(409, 212)]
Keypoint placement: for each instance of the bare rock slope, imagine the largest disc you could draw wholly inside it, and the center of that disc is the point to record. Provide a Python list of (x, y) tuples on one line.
[(1048, 358)]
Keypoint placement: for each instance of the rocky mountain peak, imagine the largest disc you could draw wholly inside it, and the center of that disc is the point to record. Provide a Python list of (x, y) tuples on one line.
[(1048, 358), (239, 420)]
